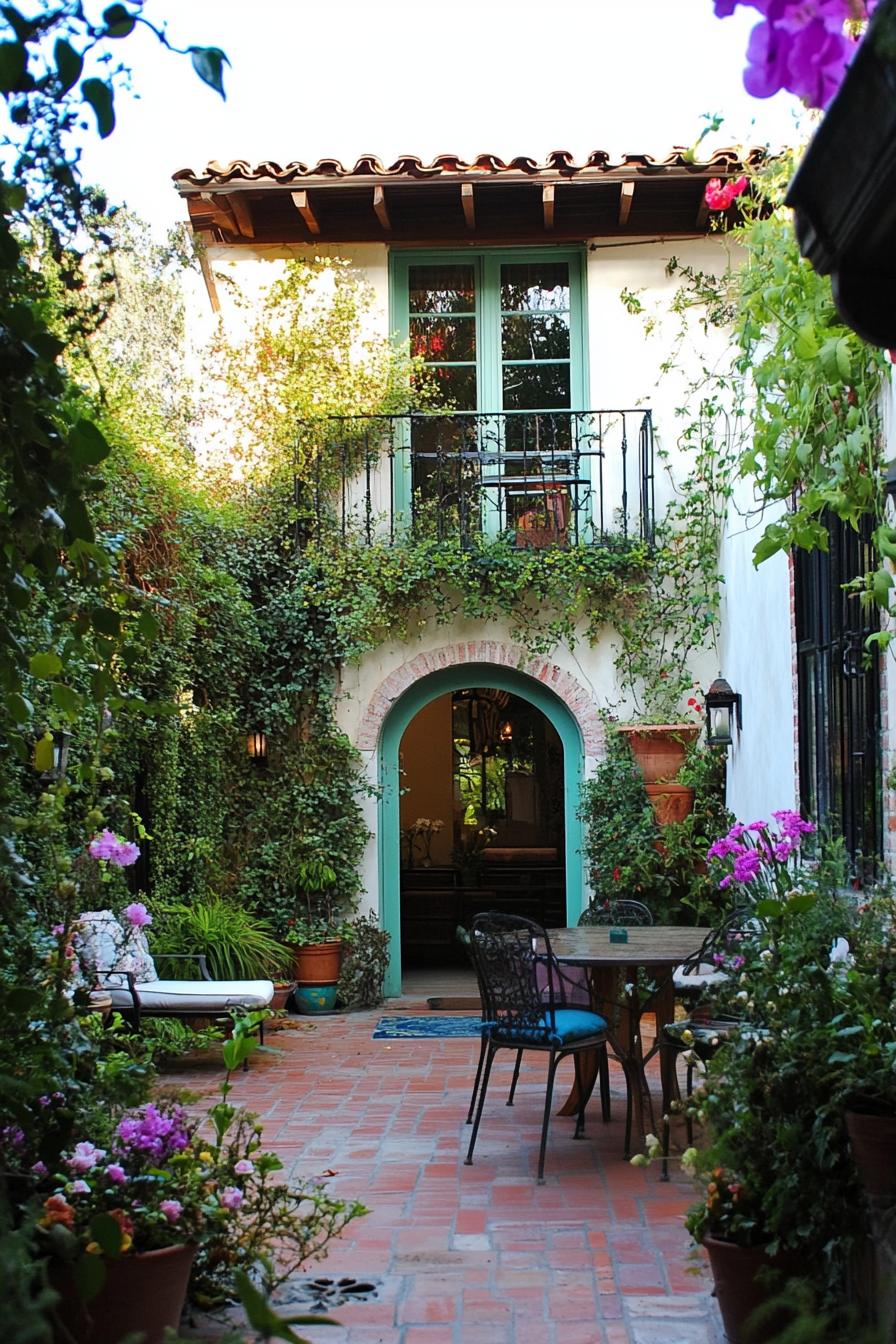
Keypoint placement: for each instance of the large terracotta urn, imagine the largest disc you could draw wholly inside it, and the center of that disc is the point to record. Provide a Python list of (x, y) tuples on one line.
[(659, 749)]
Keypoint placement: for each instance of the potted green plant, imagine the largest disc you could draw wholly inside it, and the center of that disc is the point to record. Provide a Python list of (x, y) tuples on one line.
[(779, 1187), (466, 855), (316, 934)]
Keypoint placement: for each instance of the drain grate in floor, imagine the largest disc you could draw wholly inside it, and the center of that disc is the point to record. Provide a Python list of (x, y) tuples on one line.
[(324, 1294)]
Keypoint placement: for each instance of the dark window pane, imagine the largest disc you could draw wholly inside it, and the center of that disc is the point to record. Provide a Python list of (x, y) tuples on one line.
[(536, 337), (535, 285), (441, 289), (528, 386), (443, 435), (544, 441), (456, 387), (438, 338)]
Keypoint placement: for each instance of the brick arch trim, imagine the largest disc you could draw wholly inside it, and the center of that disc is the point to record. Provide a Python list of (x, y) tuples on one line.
[(572, 693)]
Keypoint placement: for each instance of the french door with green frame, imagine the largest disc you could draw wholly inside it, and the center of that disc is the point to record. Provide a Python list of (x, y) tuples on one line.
[(501, 334)]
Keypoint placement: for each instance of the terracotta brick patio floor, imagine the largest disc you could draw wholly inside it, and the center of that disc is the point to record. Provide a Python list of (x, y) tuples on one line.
[(480, 1254)]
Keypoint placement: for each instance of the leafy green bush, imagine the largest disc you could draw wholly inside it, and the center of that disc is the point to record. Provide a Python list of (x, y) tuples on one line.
[(237, 944)]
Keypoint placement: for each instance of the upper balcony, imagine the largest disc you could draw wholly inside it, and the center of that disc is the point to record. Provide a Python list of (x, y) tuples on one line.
[(543, 478)]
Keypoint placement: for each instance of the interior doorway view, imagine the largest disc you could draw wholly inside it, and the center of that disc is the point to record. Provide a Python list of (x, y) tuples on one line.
[(482, 819)]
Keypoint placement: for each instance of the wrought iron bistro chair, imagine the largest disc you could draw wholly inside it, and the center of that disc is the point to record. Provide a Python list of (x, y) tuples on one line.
[(702, 1033), (622, 914), (524, 1009)]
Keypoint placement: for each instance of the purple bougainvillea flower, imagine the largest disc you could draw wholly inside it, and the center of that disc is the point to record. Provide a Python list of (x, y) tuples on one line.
[(137, 914)]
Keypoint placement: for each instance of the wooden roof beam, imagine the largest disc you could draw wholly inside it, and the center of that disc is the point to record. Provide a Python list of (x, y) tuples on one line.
[(214, 207), (205, 239), (303, 205), (380, 209), (626, 196), (239, 208), (547, 205), (469, 205)]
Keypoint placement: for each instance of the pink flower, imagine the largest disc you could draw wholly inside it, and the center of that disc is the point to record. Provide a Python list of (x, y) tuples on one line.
[(127, 854), (231, 1197), (103, 846), (244, 1167), (719, 197), (172, 1209), (39, 1168), (79, 1188), (84, 1157), (136, 913), (116, 1173)]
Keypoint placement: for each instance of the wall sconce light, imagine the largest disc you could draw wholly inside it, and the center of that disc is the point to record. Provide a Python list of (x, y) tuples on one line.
[(721, 703), (61, 740), (257, 746), (505, 732)]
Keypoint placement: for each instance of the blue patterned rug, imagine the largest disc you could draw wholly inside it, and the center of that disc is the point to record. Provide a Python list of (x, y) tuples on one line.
[(403, 1028)]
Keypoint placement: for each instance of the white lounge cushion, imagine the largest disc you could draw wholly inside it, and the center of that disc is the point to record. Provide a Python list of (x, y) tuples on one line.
[(696, 978), (199, 996)]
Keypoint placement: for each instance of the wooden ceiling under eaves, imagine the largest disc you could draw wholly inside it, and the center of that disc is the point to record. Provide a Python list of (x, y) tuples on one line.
[(449, 200)]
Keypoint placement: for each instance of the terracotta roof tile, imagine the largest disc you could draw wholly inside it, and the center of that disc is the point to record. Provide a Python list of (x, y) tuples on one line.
[(445, 165)]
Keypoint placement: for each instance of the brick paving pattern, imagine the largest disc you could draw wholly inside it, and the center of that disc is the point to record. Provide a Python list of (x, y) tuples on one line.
[(480, 1254)]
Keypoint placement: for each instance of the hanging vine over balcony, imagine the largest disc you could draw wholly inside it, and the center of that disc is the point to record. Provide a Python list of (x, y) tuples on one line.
[(544, 478)]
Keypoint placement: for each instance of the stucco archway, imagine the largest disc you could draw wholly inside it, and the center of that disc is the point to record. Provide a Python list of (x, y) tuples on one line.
[(400, 698), (496, 654)]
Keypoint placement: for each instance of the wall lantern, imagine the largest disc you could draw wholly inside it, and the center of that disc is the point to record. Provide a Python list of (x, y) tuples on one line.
[(505, 732), (61, 740), (721, 703), (257, 746)]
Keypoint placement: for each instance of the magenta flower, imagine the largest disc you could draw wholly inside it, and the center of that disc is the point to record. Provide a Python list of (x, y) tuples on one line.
[(156, 1133), (136, 913), (231, 1198), (172, 1209), (110, 848), (39, 1168), (116, 1173), (103, 846)]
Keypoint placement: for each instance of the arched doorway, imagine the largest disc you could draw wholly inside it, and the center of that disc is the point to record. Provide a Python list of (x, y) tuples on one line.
[(405, 709)]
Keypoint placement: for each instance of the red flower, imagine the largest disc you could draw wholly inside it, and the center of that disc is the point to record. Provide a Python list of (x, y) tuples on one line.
[(617, 873), (719, 197)]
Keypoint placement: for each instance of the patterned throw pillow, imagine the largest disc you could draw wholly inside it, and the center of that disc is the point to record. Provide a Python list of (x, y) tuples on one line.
[(105, 949)]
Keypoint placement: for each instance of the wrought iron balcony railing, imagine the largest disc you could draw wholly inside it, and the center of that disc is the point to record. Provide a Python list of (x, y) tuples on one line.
[(543, 477)]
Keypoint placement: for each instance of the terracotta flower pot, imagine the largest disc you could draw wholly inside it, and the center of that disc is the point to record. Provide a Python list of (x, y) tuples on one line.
[(144, 1292), (318, 963), (670, 802), (659, 748), (872, 1139), (741, 1287)]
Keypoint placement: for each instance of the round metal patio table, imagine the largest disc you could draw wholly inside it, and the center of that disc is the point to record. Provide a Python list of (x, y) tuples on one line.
[(616, 993)]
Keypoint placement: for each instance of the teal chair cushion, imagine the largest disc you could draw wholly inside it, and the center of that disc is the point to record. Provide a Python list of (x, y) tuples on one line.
[(571, 1025)]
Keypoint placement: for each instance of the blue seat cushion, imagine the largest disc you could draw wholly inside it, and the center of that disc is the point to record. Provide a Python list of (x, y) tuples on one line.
[(571, 1025)]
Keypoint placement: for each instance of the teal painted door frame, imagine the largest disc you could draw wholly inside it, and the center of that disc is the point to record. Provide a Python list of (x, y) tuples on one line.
[(406, 707)]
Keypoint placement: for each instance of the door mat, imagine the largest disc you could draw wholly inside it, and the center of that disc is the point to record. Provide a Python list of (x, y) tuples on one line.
[(402, 1028), (457, 1003)]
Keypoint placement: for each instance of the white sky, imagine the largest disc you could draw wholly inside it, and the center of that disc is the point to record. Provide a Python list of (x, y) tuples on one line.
[(346, 77)]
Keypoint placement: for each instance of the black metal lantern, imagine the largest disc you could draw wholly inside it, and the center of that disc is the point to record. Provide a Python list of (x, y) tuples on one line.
[(722, 711), (257, 746), (61, 739)]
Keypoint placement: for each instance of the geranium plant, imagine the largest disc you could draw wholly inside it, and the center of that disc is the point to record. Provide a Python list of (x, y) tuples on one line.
[(162, 1177), (762, 859)]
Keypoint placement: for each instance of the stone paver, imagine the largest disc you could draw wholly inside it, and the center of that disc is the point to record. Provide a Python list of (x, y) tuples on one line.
[(463, 1255)]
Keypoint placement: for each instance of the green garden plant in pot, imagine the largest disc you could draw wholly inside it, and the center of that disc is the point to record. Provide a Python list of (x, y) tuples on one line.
[(777, 1176), (316, 934)]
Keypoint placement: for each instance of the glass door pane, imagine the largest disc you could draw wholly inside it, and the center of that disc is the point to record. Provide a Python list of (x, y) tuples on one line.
[(442, 326), (536, 396)]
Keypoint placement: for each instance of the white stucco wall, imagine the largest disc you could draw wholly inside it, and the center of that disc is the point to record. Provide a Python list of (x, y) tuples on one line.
[(757, 659)]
